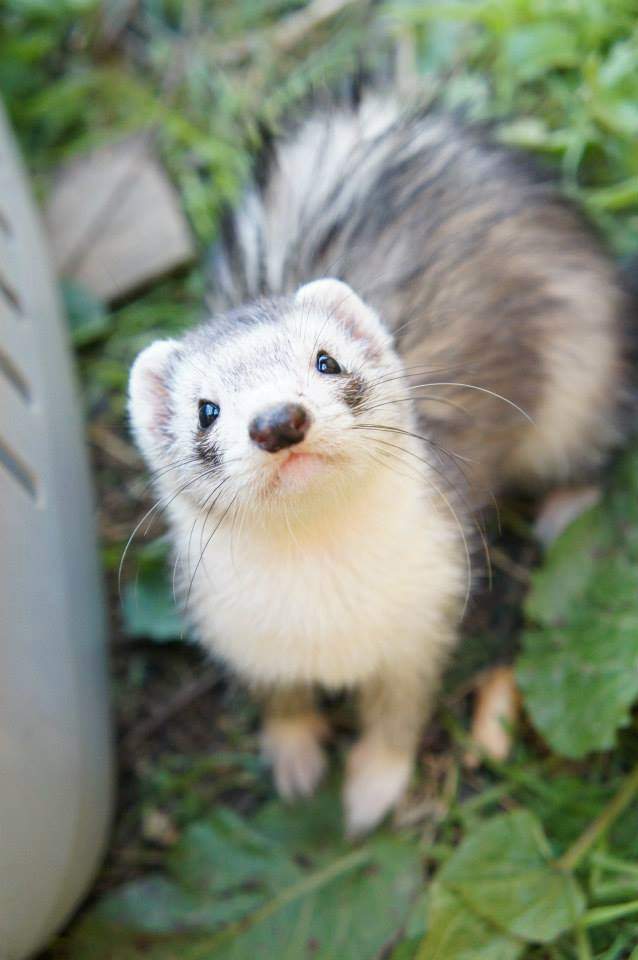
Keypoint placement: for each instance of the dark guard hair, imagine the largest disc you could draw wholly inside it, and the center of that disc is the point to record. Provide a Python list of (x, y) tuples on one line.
[(466, 250)]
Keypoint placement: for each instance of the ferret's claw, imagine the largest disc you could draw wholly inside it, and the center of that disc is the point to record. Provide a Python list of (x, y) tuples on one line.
[(376, 779)]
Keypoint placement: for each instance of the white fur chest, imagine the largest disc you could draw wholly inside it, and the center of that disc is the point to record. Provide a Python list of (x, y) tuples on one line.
[(335, 604)]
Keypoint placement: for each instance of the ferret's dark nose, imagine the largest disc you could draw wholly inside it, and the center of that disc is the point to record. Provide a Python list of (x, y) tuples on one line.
[(280, 427)]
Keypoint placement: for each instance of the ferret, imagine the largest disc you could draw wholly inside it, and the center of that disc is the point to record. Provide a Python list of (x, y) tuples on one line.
[(406, 319)]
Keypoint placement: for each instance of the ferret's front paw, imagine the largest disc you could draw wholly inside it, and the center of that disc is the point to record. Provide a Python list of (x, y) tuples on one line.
[(376, 779), (293, 748)]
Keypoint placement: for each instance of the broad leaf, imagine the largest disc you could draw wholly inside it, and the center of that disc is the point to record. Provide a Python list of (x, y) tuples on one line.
[(455, 931), (498, 891), (87, 316), (579, 667), (533, 50), (287, 887), (148, 607)]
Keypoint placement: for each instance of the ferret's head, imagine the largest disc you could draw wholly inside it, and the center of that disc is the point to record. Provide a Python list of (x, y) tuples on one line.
[(276, 402)]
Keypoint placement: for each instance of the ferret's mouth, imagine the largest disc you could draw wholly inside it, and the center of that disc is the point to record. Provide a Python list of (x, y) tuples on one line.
[(300, 468)]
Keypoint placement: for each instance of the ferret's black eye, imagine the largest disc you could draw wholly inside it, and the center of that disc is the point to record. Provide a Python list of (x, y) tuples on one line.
[(208, 413), (327, 364)]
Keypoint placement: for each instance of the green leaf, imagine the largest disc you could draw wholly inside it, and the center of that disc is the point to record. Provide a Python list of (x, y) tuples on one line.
[(579, 666), (88, 319), (457, 932), (498, 891), (156, 905), (406, 949), (533, 50), (238, 891), (225, 852), (148, 607), (621, 195)]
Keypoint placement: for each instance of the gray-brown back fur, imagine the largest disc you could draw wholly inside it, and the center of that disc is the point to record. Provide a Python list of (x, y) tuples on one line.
[(471, 258)]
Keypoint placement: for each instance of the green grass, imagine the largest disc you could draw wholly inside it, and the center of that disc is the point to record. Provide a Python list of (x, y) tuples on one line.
[(208, 79)]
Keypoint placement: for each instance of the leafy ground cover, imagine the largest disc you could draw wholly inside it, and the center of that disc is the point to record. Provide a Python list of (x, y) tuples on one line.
[(534, 858)]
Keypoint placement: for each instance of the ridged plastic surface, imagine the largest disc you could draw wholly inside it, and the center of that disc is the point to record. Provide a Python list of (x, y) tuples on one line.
[(55, 763)]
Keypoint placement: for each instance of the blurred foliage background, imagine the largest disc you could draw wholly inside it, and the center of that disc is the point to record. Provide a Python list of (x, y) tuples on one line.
[(533, 858)]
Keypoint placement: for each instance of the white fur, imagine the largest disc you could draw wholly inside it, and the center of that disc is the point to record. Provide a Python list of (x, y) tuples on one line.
[(376, 779), (345, 566), (340, 568), (293, 747), (332, 598)]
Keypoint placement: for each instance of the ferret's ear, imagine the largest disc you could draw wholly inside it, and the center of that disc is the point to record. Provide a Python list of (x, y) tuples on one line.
[(340, 301), (148, 395)]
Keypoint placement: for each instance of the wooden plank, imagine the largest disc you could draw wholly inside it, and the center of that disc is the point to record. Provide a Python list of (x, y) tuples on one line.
[(115, 222)]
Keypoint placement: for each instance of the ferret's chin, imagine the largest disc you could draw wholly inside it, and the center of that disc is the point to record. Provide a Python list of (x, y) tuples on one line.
[(299, 471)]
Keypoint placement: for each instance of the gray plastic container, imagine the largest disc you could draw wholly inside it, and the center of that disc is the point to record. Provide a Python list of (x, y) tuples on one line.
[(55, 760)]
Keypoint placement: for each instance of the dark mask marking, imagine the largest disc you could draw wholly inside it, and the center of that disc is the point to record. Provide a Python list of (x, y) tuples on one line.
[(354, 391)]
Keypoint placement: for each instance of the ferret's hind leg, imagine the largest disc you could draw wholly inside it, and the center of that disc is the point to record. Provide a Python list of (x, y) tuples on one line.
[(393, 708), (291, 740)]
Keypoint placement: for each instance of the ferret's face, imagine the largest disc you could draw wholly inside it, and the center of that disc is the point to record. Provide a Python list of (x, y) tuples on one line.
[(273, 405)]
